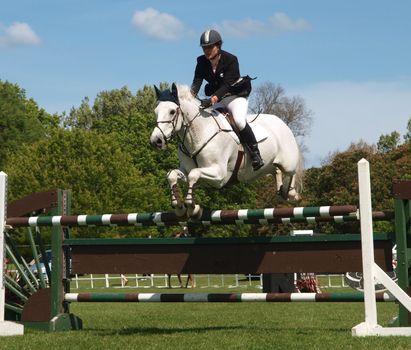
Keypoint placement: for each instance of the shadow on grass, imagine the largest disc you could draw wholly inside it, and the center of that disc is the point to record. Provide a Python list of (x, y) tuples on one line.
[(308, 331), (155, 330)]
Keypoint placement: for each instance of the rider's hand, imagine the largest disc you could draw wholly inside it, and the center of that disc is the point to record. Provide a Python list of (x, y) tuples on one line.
[(206, 103), (214, 99)]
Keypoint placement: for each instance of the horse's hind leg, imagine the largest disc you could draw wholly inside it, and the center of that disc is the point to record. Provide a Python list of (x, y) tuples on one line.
[(176, 202)]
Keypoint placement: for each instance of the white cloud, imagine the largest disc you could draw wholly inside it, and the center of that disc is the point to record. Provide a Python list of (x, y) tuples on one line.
[(18, 34), (346, 112), (278, 23), (241, 29), (166, 27), (158, 25)]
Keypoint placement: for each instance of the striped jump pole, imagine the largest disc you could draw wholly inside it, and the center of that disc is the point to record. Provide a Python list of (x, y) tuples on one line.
[(344, 213), (223, 297)]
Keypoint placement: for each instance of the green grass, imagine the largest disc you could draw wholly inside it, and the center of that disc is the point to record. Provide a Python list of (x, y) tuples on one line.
[(213, 326)]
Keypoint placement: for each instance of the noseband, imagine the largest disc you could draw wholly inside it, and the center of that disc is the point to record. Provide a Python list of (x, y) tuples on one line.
[(173, 97)]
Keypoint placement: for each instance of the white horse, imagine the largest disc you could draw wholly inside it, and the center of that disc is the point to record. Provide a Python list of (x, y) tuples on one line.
[(209, 148)]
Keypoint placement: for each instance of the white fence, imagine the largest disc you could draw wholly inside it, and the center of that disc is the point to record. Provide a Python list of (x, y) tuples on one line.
[(198, 281)]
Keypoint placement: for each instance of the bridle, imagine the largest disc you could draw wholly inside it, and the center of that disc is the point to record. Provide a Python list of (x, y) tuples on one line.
[(186, 126), (173, 121)]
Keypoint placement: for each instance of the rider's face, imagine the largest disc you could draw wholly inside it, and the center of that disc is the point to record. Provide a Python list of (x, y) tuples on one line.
[(211, 51)]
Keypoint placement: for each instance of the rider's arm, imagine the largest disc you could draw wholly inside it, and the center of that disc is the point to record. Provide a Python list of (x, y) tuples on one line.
[(198, 78)]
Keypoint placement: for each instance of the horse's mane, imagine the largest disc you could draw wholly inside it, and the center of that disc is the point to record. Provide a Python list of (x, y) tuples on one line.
[(184, 93)]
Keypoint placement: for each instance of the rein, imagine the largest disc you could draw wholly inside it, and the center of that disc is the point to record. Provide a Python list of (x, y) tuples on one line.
[(186, 127)]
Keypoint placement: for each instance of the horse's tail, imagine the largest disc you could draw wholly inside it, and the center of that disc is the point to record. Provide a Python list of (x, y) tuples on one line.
[(299, 173)]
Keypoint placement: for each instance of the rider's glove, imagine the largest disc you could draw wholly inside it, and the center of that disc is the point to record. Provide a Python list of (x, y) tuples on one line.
[(205, 103)]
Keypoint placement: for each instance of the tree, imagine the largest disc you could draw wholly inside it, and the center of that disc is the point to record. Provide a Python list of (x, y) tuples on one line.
[(131, 119), (93, 166), (407, 136), (21, 120), (388, 142), (360, 146), (81, 117), (146, 98), (270, 98)]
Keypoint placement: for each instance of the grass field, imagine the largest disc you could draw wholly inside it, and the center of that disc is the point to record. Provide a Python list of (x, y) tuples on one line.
[(213, 326)]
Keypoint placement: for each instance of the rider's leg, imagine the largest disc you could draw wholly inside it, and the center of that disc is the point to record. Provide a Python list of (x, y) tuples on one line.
[(239, 107), (247, 136)]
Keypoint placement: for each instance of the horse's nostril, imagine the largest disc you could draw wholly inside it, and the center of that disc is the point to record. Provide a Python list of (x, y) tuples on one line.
[(159, 142)]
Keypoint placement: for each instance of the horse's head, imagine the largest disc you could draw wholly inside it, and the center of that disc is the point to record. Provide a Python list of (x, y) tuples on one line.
[(168, 117)]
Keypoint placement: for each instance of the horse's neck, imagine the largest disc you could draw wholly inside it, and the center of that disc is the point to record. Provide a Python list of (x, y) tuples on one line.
[(201, 126)]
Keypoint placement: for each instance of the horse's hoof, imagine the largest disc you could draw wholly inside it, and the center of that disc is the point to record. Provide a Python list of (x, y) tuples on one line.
[(293, 195), (195, 212), (181, 212)]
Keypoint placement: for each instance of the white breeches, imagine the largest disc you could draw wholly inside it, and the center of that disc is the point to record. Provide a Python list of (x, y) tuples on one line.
[(238, 106)]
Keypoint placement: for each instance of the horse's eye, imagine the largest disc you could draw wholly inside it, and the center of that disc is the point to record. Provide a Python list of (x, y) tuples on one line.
[(173, 111)]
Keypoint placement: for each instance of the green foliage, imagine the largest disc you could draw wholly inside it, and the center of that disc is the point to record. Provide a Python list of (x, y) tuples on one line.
[(99, 173), (82, 117), (336, 182), (101, 152), (388, 142), (130, 119), (407, 136), (21, 120), (146, 98)]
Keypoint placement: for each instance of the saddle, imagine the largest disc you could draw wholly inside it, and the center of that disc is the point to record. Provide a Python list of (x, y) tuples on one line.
[(229, 117)]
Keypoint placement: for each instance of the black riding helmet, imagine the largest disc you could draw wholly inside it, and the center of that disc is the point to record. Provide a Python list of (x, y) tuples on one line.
[(210, 37)]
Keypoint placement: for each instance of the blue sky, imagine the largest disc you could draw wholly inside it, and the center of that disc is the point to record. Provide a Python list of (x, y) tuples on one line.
[(349, 60)]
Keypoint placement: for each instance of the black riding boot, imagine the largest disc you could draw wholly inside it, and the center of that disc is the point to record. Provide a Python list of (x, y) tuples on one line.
[(248, 139)]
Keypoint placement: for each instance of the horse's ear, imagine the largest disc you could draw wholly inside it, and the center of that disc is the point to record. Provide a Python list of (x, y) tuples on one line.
[(175, 92), (158, 92)]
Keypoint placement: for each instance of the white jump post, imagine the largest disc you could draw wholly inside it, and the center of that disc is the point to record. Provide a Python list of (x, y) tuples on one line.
[(371, 271), (6, 327)]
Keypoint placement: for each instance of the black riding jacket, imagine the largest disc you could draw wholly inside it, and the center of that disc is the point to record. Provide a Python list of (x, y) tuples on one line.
[(219, 83)]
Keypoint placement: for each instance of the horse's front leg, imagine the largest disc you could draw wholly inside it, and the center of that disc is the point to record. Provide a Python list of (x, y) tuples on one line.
[(285, 185), (292, 193), (214, 175), (278, 179), (283, 180), (176, 202)]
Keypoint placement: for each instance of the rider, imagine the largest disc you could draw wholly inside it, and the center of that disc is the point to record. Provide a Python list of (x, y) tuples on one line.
[(221, 70)]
